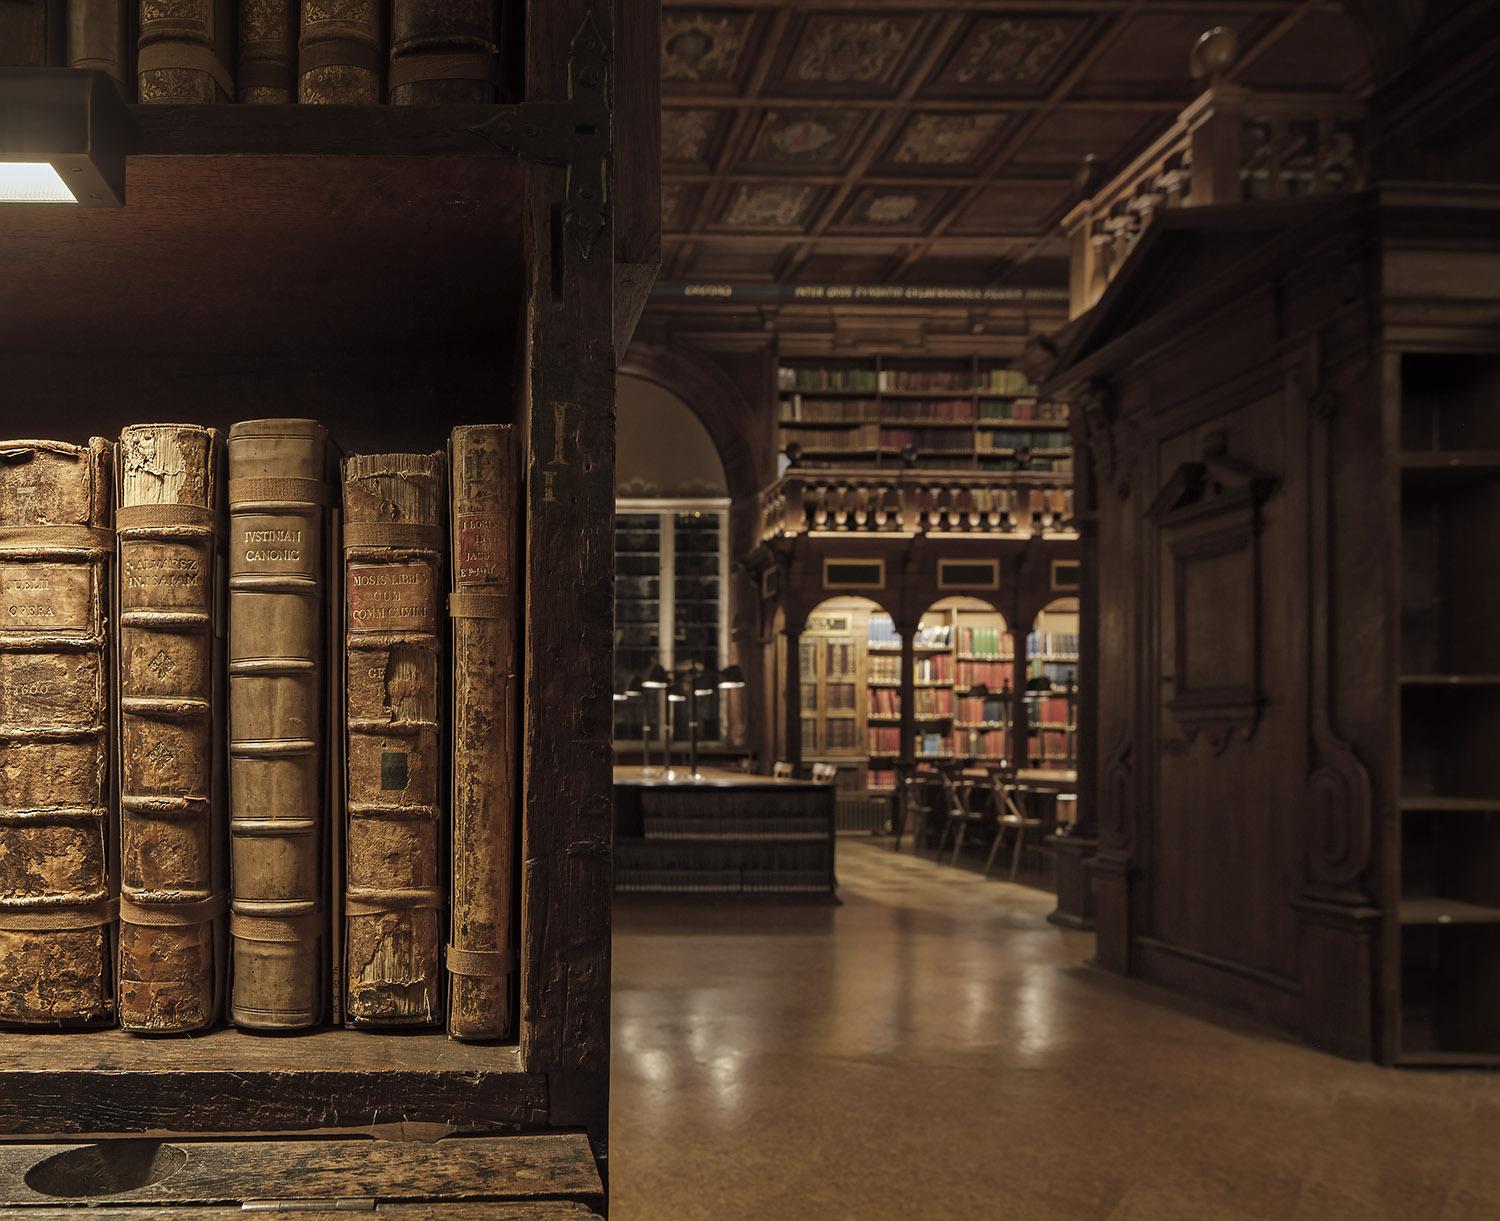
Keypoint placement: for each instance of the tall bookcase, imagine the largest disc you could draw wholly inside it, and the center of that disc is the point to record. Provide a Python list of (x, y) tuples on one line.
[(1447, 835), (390, 272), (886, 412), (1294, 602)]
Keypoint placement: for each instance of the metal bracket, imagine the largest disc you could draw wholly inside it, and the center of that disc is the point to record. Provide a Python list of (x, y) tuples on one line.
[(575, 134)]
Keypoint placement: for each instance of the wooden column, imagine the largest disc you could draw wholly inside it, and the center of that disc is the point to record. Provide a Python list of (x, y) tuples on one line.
[(566, 812), (1072, 852), (908, 632), (793, 694)]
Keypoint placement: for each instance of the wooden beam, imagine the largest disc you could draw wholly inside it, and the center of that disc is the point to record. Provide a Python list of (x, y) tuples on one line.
[(377, 131)]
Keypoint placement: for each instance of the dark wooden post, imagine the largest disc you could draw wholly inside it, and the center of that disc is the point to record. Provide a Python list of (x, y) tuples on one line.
[(566, 815), (793, 634), (1075, 890), (908, 632)]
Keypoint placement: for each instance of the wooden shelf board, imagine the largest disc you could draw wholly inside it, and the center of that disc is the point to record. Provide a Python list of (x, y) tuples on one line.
[(1434, 910), (1450, 805), (1451, 460), (1447, 1059), (533, 1167), (1450, 680), (80, 1082)]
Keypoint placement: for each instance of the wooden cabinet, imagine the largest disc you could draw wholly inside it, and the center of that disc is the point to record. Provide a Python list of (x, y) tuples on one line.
[(390, 272), (1291, 418)]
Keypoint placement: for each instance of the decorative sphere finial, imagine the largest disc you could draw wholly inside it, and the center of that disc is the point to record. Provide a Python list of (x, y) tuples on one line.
[(1214, 53)]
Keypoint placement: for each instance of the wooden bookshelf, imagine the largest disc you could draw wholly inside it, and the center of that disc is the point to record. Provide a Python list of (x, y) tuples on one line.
[(964, 414), (280, 261), (1446, 886)]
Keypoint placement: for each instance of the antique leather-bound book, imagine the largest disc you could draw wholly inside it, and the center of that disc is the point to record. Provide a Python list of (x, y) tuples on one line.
[(56, 903), (278, 493), (172, 854), (184, 51), (483, 607), (393, 899), (443, 51), (268, 52), (97, 39), (339, 53)]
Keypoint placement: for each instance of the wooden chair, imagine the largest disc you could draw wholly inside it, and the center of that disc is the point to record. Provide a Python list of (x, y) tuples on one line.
[(962, 817), (912, 808), (825, 773), (1011, 815), (781, 770)]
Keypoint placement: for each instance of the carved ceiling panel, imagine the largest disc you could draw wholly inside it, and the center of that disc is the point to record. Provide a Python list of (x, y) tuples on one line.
[(704, 47), (812, 138), (891, 209), (777, 206), (688, 135), (942, 140), (839, 51), (1009, 55)]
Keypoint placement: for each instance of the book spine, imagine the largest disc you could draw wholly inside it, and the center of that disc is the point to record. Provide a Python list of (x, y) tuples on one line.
[(444, 51), (268, 52), (23, 34), (483, 607), (172, 891), (56, 905), (184, 50), (97, 40), (393, 546), (339, 53), (278, 491)]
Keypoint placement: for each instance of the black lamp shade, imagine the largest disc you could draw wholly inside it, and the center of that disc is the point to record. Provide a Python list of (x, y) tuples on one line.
[(730, 678), (656, 678), (706, 682), (1039, 684), (978, 691), (62, 138)]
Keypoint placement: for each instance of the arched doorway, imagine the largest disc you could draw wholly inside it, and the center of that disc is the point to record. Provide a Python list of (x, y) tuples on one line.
[(671, 568), (970, 641), (1051, 692)]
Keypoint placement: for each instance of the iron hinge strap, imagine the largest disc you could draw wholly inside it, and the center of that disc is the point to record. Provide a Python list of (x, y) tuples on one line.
[(575, 134)]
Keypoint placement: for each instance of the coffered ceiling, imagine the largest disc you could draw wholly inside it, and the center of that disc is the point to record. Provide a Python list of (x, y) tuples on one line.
[(932, 142)]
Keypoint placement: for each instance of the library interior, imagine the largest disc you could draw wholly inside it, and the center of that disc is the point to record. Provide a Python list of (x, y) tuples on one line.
[(750, 608)]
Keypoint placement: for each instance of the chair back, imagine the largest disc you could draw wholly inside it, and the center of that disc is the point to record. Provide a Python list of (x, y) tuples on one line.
[(781, 770), (825, 773)]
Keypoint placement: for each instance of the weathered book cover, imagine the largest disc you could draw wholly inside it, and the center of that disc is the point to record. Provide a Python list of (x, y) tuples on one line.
[(172, 857), (484, 608), (184, 51), (56, 906), (340, 52), (393, 900), (278, 497), (97, 40), (268, 52), (444, 51)]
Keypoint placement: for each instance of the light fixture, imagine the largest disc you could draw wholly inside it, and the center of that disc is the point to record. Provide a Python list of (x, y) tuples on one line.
[(978, 692), (1038, 685), (731, 678), (706, 682), (656, 678), (633, 687), (62, 138)]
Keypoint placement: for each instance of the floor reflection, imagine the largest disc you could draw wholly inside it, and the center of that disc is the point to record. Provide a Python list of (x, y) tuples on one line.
[(934, 1048)]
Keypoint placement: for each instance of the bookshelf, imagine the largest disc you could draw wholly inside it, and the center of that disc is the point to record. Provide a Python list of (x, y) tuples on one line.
[(1447, 882), (1052, 719), (428, 231), (839, 705), (962, 414), (637, 612)]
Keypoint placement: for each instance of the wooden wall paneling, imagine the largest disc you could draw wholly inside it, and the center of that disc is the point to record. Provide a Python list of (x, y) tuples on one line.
[(566, 817)]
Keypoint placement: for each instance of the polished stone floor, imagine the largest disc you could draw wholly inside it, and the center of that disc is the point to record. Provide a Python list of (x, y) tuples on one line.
[(933, 1048)]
